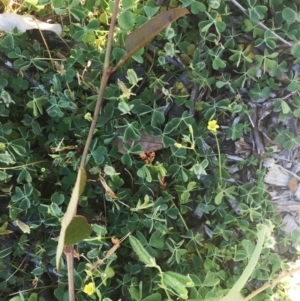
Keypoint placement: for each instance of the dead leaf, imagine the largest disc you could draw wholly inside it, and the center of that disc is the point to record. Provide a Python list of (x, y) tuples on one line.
[(149, 143), (107, 188), (276, 176), (8, 21), (143, 35), (297, 193), (115, 240), (162, 183), (293, 184), (289, 224), (25, 228)]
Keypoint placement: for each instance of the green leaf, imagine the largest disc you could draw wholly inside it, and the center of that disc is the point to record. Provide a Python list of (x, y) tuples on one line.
[(297, 113), (219, 198), (8, 42), (99, 154), (134, 293), (34, 296), (5, 252), (176, 286), (4, 176), (18, 146), (37, 105), (197, 7), (151, 11), (156, 240), (141, 252), (3, 229), (21, 64), (78, 230), (153, 297), (220, 26), (182, 279), (296, 50), (24, 175), (93, 25), (289, 15), (288, 144), (157, 118), (132, 132), (118, 53), (124, 107), (218, 63), (257, 13), (126, 20), (17, 298), (285, 107), (211, 280), (3, 83), (78, 13), (126, 159), (6, 159), (144, 173), (127, 4)]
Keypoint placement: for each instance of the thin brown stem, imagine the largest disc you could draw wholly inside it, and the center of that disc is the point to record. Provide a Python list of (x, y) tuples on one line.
[(106, 73), (271, 283), (105, 76), (70, 265)]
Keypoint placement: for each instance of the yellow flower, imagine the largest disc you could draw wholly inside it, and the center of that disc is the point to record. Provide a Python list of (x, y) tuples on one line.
[(89, 289), (213, 126)]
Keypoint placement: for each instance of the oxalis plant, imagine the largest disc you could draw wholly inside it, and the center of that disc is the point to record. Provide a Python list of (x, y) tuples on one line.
[(172, 283), (148, 242)]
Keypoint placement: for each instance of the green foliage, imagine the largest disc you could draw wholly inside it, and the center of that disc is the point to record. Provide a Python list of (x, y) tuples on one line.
[(46, 106)]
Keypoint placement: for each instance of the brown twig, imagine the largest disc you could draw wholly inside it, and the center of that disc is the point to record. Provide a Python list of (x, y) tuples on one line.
[(271, 283), (116, 244), (70, 264), (107, 71)]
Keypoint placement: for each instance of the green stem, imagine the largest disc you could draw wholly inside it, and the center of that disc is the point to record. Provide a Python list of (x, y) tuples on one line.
[(163, 283), (219, 159), (186, 227)]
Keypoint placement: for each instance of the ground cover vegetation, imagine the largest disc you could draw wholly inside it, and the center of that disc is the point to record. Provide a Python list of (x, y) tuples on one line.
[(174, 201)]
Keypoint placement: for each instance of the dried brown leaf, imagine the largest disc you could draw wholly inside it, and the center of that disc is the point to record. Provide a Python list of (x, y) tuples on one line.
[(149, 143), (143, 35), (293, 184), (107, 188)]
